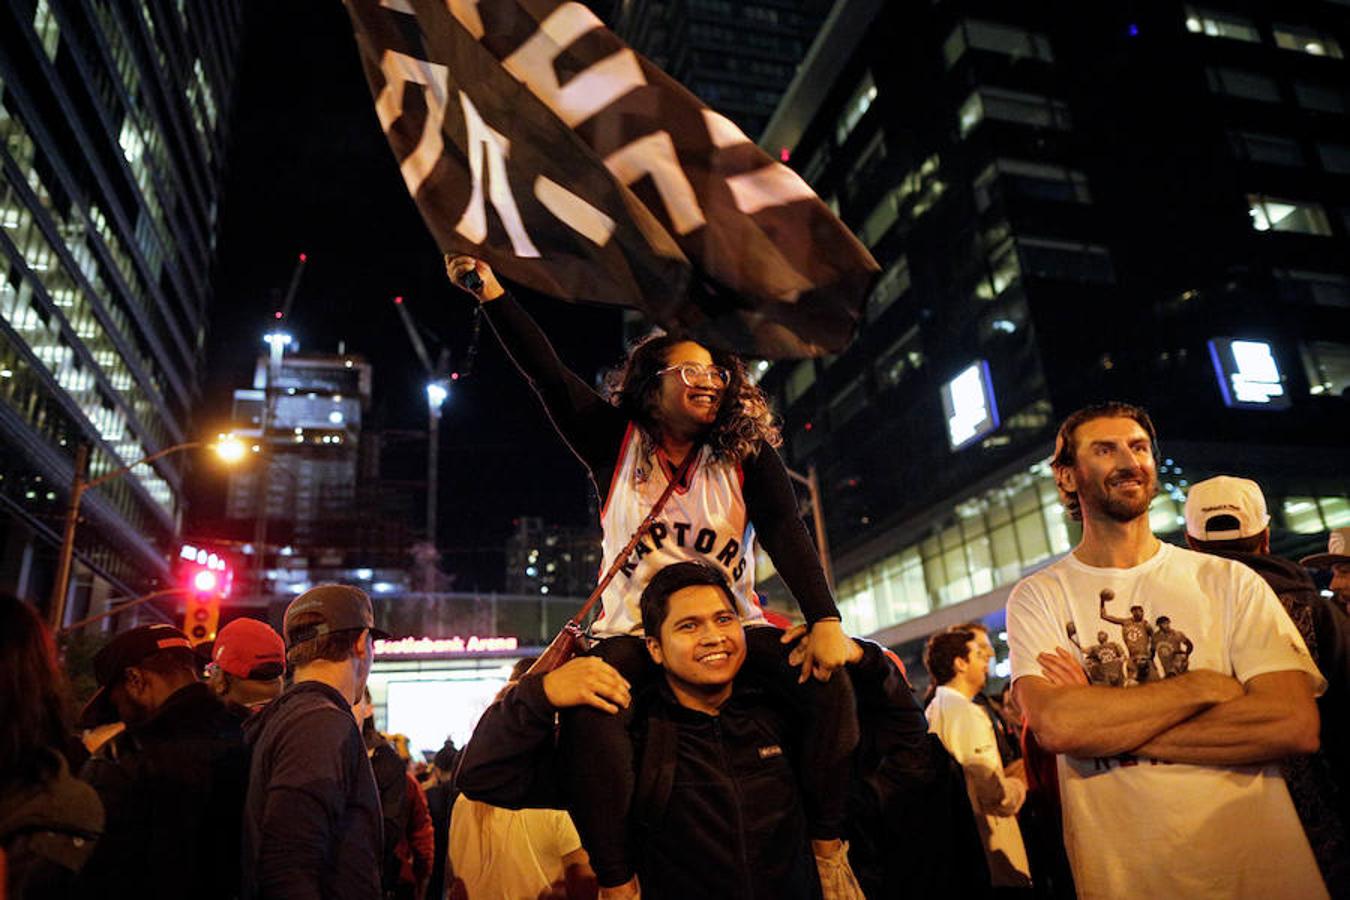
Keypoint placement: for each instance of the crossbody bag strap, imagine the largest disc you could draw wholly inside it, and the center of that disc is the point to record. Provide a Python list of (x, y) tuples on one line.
[(642, 530)]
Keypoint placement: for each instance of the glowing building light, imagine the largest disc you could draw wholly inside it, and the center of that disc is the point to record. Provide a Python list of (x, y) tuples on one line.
[(968, 401)]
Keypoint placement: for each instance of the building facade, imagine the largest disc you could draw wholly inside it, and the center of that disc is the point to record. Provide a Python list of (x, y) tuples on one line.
[(737, 56), (307, 410), (112, 138), (552, 559), (1150, 205)]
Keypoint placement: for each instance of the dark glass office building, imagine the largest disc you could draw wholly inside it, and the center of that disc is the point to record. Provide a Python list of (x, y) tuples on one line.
[(737, 56), (112, 137), (1150, 203)]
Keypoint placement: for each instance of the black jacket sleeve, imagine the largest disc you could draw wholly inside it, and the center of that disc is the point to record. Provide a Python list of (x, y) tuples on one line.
[(892, 724), (510, 761), (772, 507), (590, 425)]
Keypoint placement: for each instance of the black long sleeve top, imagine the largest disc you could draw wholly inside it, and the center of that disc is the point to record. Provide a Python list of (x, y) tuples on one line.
[(593, 429)]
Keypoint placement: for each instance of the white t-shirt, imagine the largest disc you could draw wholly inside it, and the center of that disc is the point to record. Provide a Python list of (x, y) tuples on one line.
[(508, 854), (705, 521), (967, 733), (1142, 828)]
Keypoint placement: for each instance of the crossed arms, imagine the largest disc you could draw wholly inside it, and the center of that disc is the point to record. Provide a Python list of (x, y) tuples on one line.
[(1201, 717)]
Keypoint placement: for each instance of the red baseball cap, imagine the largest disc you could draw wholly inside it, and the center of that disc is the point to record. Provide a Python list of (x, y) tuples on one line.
[(248, 648)]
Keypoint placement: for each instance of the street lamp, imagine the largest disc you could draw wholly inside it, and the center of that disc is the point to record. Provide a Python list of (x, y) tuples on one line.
[(227, 447), (437, 393)]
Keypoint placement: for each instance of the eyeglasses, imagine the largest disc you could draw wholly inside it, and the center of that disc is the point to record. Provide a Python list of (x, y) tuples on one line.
[(692, 374)]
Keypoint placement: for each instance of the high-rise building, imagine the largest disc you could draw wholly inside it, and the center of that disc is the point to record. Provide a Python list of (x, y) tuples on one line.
[(313, 442), (552, 559), (736, 55), (1150, 204), (112, 138)]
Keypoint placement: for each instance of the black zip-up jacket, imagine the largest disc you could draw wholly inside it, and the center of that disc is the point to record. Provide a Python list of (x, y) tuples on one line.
[(717, 811), (1319, 784), (312, 828), (172, 788)]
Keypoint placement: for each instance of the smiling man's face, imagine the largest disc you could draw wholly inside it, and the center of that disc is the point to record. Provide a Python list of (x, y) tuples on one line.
[(1114, 473), (701, 646)]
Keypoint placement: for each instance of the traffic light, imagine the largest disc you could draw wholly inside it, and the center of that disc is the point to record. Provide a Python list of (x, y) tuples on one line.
[(207, 579)]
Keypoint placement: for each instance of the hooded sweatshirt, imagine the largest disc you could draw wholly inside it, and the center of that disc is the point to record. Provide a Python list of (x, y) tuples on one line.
[(47, 831), (312, 813)]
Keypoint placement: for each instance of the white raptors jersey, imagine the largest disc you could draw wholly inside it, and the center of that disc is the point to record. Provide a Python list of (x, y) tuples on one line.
[(704, 521)]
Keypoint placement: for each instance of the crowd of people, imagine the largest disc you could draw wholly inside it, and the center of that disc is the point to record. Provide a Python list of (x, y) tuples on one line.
[(1175, 722)]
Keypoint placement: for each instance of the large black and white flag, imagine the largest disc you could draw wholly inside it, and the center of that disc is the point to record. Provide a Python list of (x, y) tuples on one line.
[(532, 137)]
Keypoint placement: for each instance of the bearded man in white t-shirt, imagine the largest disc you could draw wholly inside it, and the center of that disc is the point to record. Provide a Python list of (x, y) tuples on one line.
[(1170, 787)]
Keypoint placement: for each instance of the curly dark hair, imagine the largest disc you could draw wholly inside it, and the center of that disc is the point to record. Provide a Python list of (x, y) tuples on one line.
[(1066, 447), (743, 420), (32, 694)]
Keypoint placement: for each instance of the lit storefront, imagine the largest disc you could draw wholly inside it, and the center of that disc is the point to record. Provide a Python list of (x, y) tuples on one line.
[(431, 688)]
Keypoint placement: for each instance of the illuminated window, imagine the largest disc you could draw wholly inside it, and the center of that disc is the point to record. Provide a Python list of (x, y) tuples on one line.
[(856, 107), (1243, 84), (1306, 40), (1249, 376), (1221, 24), (1328, 368), (1008, 40), (1003, 267), (1265, 148), (880, 220), (1274, 214), (968, 402), (900, 360), (1013, 106), (1302, 516), (48, 31)]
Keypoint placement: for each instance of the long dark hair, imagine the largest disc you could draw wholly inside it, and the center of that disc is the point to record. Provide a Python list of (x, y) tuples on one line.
[(743, 420), (32, 694)]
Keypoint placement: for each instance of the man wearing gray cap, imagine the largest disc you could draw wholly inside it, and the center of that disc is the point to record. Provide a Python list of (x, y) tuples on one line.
[(312, 814)]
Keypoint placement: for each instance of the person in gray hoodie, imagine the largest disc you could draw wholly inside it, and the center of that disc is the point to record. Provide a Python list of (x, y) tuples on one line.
[(312, 820)]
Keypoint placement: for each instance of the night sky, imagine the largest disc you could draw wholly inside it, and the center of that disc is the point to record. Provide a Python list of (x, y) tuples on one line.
[(309, 170)]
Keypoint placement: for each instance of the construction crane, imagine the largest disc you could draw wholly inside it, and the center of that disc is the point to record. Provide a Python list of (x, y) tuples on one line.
[(439, 379), (277, 341)]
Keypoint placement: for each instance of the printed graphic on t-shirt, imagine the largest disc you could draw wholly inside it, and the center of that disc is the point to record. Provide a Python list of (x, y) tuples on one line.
[(1109, 664)]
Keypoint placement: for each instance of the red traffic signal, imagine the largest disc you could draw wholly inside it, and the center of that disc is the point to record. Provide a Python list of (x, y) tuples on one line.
[(207, 579)]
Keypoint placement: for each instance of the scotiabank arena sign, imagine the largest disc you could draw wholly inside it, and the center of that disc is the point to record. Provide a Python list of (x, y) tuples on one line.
[(453, 646)]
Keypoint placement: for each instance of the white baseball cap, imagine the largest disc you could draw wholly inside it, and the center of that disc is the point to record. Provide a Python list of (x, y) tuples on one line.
[(1224, 508), (1338, 551)]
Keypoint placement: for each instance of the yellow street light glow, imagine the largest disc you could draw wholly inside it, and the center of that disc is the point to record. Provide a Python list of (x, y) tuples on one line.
[(229, 448)]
